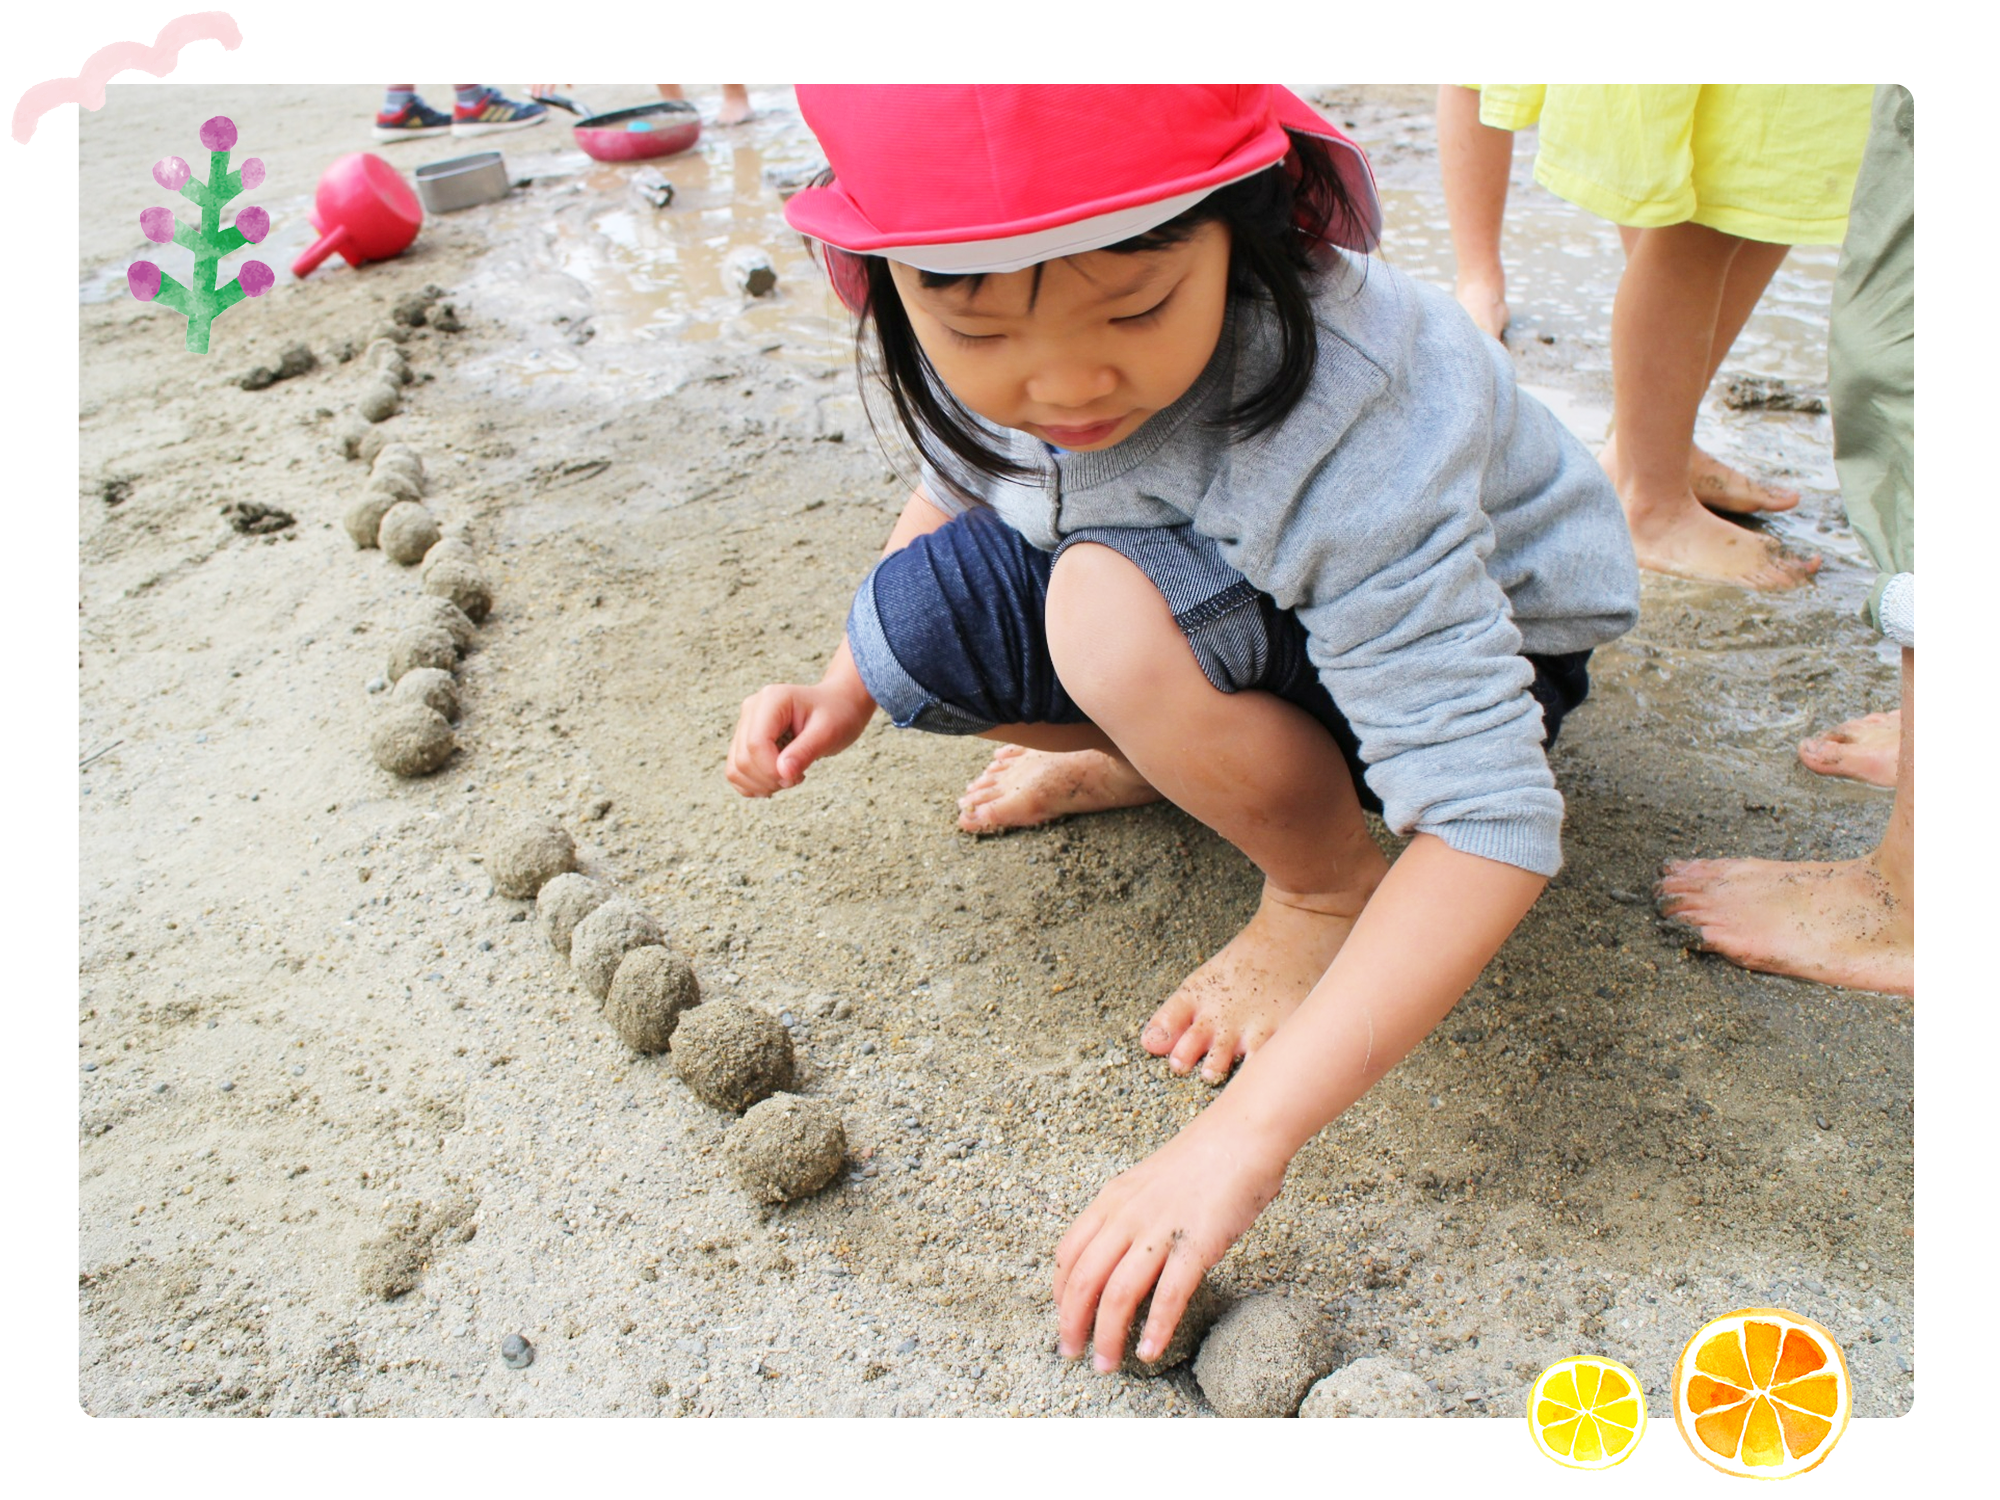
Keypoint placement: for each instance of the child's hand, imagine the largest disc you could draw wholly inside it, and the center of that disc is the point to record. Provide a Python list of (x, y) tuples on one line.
[(786, 727), (1167, 1220)]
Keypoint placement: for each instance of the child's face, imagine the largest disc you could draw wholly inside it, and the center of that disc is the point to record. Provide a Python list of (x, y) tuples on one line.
[(1083, 361)]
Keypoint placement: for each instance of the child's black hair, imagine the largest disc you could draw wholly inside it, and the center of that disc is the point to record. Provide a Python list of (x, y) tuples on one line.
[(1274, 219)]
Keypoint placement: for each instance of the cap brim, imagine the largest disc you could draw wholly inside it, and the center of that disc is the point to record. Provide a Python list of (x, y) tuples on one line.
[(1349, 161)]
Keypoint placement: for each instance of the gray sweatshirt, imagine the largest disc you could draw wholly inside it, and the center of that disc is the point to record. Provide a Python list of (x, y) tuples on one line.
[(1427, 521)]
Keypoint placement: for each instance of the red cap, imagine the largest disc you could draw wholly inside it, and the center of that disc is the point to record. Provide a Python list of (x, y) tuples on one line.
[(991, 177)]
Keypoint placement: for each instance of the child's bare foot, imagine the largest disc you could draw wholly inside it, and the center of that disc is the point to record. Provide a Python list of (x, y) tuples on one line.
[(1714, 483), (1719, 487), (735, 107), (1229, 1007), (1487, 303), (1863, 749), (1838, 923), (1022, 788)]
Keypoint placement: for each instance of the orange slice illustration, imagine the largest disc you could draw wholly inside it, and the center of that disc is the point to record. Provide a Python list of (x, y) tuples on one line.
[(1762, 1393), (1587, 1413)]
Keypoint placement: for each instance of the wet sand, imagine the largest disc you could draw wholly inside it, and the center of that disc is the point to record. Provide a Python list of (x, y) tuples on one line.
[(674, 490)]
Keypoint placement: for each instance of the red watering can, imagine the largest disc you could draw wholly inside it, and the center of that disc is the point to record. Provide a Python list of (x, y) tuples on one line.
[(364, 210)]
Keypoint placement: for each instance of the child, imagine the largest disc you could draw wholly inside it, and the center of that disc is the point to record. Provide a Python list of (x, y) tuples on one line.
[(1212, 509)]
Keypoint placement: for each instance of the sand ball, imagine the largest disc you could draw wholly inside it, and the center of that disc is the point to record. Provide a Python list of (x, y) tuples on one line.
[(428, 609), (428, 685), (373, 441), (732, 1055), (566, 901), (364, 518), (648, 993), (402, 458), (411, 739), (420, 646), (394, 482), (1196, 1319), (786, 1148), (380, 400), (408, 532), (388, 356), (1262, 1355), (1371, 1387), (526, 854), (348, 434), (463, 584), (607, 935), (450, 549)]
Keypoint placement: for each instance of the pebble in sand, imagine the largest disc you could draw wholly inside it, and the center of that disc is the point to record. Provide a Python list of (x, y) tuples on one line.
[(1262, 1355), (600, 940), (651, 989), (408, 532), (527, 853), (566, 901), (411, 739), (432, 686), (420, 646), (786, 1148), (732, 1055)]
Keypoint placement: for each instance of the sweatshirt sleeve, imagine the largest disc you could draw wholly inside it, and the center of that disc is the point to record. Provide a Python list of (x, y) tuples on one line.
[(1370, 525)]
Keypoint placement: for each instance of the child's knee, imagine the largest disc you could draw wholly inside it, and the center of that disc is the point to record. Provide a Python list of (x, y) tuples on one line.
[(1110, 632)]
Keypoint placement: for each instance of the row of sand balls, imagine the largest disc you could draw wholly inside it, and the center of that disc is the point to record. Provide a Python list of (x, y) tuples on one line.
[(389, 371), (732, 1056), (413, 735)]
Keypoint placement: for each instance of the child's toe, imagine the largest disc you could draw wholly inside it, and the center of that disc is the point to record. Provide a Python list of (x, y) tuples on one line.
[(1192, 1046)]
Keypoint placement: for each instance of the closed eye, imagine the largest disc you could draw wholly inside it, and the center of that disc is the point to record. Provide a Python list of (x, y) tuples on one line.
[(1149, 314)]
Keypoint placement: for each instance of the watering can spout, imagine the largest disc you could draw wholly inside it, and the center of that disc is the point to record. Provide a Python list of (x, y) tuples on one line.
[(321, 248)]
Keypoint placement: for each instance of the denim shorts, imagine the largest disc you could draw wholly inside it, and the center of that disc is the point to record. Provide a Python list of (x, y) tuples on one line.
[(949, 634)]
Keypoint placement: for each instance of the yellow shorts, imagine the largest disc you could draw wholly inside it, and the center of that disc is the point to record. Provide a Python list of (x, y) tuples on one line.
[(1762, 161)]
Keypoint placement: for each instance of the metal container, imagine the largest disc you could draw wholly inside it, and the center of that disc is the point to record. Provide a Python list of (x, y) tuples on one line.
[(463, 182)]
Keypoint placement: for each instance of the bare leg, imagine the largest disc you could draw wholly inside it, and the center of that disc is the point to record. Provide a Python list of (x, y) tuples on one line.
[(1663, 327), (1864, 749), (735, 105), (1475, 160), (1848, 922), (1713, 482), (1258, 770), (670, 91)]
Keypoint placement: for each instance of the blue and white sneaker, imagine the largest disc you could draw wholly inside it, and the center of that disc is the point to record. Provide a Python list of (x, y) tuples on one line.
[(412, 120), (494, 113)]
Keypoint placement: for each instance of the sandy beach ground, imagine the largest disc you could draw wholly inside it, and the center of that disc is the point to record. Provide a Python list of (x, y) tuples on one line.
[(309, 1030)]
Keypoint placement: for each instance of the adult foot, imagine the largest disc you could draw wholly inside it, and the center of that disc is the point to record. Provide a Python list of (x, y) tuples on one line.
[(1488, 305), (1022, 788), (1229, 1007), (1719, 487), (1838, 923), (1863, 749)]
